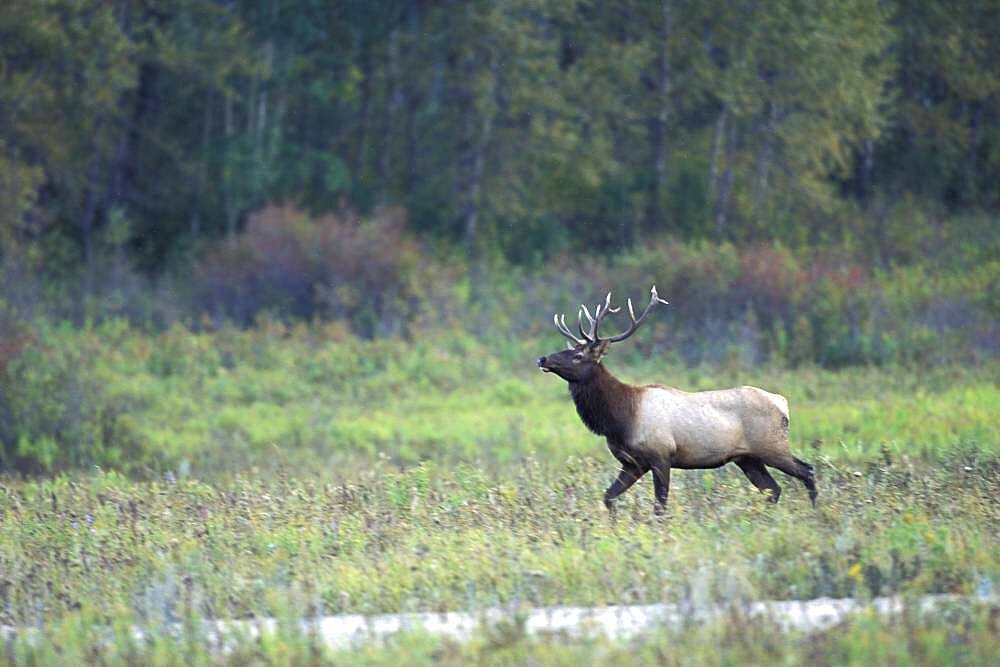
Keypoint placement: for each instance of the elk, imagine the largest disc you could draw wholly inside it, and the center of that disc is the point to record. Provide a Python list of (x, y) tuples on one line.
[(655, 428)]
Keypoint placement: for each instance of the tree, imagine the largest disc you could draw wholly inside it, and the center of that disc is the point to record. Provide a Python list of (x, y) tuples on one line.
[(799, 87), (942, 142)]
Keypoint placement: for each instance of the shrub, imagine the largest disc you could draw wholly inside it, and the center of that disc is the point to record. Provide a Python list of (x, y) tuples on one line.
[(56, 412), (334, 267), (818, 305)]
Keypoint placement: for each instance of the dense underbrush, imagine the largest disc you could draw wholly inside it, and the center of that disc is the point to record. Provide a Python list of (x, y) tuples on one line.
[(828, 304)]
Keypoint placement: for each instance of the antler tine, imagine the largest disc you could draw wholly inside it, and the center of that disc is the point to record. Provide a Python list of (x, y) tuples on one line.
[(562, 321), (593, 324), (654, 298), (654, 295), (564, 330), (579, 324), (555, 320), (602, 311)]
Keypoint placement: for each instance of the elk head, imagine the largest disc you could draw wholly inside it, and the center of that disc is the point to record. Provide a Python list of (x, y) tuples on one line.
[(584, 353)]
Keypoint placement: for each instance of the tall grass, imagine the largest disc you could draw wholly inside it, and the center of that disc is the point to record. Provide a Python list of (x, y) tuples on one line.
[(437, 537), (86, 558)]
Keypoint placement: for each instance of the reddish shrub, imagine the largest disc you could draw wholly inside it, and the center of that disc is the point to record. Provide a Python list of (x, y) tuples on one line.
[(770, 280), (291, 265)]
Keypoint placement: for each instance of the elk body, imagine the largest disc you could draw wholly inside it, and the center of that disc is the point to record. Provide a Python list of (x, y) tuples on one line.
[(655, 428)]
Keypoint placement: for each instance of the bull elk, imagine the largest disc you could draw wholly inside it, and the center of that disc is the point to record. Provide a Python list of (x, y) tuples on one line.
[(655, 428)]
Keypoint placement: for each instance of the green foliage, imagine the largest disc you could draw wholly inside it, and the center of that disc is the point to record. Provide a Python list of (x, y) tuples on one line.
[(19, 184), (513, 129), (59, 414), (946, 106), (209, 402)]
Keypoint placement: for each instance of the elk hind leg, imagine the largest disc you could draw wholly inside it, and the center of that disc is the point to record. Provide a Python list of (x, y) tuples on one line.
[(799, 469), (809, 480), (661, 484), (760, 477)]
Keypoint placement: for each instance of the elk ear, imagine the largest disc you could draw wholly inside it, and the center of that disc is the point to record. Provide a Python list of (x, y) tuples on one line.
[(600, 349)]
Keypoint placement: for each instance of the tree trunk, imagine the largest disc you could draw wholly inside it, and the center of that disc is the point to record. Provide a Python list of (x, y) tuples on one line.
[(765, 156), (390, 110), (971, 190), (119, 169), (628, 225), (255, 122), (227, 193), (479, 119), (88, 218), (654, 213), (121, 173), (411, 101), (726, 181), (366, 94), (202, 172), (718, 140)]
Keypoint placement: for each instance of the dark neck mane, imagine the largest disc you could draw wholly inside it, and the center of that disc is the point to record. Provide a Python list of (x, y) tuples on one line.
[(605, 404)]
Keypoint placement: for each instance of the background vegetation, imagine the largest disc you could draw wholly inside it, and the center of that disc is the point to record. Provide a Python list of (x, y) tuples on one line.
[(815, 182), (218, 402), (138, 138)]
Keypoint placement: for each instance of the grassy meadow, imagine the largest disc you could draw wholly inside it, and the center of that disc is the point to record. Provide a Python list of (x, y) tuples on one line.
[(289, 471), (316, 398)]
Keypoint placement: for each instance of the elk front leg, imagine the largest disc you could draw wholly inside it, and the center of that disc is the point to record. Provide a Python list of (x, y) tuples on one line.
[(627, 476), (661, 484)]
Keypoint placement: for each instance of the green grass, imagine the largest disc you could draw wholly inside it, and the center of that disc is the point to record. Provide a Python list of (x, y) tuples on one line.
[(314, 473), (213, 403), (436, 538)]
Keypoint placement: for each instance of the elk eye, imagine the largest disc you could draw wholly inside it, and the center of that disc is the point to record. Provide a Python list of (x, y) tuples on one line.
[(578, 357)]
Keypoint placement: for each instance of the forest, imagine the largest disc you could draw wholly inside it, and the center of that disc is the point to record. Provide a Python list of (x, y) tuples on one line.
[(274, 276), (138, 138)]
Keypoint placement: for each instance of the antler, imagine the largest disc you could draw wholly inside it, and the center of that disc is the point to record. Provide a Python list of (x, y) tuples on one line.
[(560, 321), (601, 311), (654, 298)]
